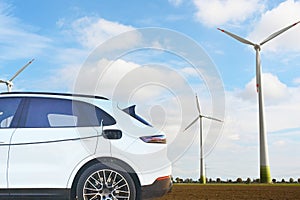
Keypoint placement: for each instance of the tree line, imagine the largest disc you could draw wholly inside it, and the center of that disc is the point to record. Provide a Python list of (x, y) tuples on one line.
[(238, 180)]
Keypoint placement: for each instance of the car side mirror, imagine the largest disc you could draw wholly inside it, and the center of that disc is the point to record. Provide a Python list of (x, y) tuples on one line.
[(112, 134)]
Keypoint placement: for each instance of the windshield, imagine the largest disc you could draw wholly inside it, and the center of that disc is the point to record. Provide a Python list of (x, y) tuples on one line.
[(131, 111)]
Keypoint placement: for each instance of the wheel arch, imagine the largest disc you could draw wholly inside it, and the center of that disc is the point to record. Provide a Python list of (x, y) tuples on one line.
[(106, 160)]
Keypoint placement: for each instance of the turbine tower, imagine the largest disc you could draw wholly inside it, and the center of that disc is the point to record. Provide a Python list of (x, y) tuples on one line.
[(9, 83), (265, 174), (200, 116)]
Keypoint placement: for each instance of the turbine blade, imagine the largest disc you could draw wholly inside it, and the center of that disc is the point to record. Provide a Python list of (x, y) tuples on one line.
[(278, 33), (212, 118), (198, 104), (192, 123), (20, 70), (6, 82), (237, 37)]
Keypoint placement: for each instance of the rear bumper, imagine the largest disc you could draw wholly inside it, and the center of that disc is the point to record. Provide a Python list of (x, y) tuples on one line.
[(160, 187)]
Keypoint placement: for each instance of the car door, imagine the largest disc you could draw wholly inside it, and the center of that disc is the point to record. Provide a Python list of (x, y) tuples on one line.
[(57, 135), (8, 117)]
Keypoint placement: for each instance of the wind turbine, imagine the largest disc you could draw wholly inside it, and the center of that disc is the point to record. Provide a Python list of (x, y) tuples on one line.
[(9, 83), (265, 174), (200, 116)]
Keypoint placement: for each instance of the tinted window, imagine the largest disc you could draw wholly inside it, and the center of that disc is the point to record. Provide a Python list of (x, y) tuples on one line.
[(8, 109), (52, 112)]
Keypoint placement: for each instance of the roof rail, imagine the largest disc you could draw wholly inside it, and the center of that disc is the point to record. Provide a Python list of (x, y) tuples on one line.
[(62, 94)]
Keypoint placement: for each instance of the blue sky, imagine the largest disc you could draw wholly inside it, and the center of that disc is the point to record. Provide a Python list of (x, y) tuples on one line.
[(61, 35)]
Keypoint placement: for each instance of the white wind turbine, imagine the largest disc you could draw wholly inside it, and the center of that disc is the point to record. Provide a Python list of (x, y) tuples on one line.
[(199, 117), (9, 83), (265, 174)]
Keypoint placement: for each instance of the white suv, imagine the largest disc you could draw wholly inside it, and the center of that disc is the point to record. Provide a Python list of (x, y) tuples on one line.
[(62, 146)]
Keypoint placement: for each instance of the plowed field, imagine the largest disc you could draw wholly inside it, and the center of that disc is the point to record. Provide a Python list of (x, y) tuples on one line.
[(232, 191)]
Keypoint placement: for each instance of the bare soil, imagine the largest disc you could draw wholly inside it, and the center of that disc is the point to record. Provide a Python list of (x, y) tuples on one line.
[(233, 191)]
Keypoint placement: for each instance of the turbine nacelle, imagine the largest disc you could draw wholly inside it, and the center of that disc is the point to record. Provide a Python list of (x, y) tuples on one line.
[(257, 47)]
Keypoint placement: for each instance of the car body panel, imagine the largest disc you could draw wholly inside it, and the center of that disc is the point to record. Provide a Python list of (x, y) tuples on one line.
[(152, 162), (35, 153)]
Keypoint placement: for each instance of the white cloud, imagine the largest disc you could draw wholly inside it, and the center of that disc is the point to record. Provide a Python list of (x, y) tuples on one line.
[(102, 77), (131, 82), (219, 12), (283, 15), (91, 31), (274, 90)]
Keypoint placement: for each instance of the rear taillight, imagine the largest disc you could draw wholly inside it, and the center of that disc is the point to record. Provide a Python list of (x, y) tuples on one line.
[(163, 178), (157, 139)]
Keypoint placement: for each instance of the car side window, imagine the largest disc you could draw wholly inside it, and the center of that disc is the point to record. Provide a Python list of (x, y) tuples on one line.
[(8, 109), (53, 112)]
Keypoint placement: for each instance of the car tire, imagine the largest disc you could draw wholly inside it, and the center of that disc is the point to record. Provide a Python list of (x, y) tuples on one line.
[(105, 181)]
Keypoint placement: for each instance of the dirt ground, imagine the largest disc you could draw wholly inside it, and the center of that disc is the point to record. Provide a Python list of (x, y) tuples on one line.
[(212, 192)]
